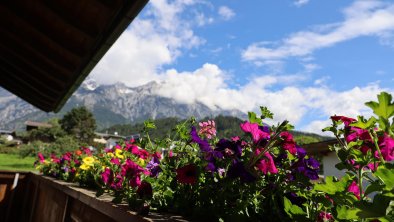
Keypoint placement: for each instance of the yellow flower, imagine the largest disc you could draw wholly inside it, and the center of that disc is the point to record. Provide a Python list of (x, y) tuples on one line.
[(88, 161), (118, 153), (109, 154), (84, 167), (141, 162), (46, 162)]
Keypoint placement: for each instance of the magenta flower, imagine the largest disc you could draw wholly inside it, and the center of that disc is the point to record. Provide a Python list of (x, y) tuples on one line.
[(288, 142), (353, 188), (346, 120), (54, 158), (107, 176), (386, 145), (207, 129), (135, 181), (267, 165), (117, 183), (255, 131), (115, 161), (141, 153), (41, 157), (357, 133), (132, 171), (325, 217)]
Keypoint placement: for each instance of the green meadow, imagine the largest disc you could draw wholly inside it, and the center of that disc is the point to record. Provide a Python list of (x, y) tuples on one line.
[(15, 162)]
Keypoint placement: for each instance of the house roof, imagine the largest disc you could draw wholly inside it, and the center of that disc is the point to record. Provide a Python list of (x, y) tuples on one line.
[(322, 147), (37, 124), (47, 48)]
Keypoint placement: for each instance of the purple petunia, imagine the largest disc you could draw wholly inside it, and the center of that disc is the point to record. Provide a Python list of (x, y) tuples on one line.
[(237, 170), (233, 146), (154, 166), (203, 144)]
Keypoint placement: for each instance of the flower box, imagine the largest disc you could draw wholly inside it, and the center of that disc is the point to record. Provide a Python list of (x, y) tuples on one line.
[(41, 198)]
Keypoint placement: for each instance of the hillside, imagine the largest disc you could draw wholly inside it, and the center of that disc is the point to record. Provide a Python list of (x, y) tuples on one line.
[(227, 126), (110, 104)]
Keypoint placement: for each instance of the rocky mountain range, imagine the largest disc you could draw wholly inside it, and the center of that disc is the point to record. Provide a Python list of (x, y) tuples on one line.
[(110, 104)]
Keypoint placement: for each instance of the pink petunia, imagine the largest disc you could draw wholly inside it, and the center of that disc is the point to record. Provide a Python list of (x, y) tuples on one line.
[(267, 164), (41, 157), (386, 145), (207, 129), (253, 129), (353, 188)]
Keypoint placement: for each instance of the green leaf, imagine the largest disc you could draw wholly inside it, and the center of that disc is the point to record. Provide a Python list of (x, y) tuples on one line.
[(374, 186), (378, 208), (253, 118), (384, 108), (292, 209), (363, 123), (331, 186), (117, 199), (386, 175), (266, 113), (347, 213), (149, 124), (99, 192)]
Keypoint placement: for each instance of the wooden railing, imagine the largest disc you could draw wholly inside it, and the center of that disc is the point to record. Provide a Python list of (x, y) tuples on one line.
[(31, 197)]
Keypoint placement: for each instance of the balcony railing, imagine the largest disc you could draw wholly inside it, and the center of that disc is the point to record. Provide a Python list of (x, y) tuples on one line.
[(26, 196)]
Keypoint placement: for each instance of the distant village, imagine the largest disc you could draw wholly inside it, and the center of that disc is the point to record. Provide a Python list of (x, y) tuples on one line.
[(12, 139)]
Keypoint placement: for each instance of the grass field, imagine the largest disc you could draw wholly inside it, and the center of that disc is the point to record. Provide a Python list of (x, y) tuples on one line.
[(14, 162)]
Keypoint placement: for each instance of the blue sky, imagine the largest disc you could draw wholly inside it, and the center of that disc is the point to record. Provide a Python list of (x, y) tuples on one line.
[(304, 59)]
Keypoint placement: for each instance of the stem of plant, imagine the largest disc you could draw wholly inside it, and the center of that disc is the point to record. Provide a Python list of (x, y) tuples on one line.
[(375, 138), (268, 146), (150, 142), (360, 183)]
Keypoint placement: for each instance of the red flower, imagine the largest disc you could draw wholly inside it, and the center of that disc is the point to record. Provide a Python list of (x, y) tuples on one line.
[(288, 142), (344, 119), (145, 190), (187, 174)]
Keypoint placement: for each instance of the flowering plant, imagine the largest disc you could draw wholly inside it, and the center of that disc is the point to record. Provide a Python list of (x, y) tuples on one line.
[(262, 174), (366, 153)]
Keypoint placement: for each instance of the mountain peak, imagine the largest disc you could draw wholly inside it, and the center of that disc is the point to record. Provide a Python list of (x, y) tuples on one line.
[(89, 84)]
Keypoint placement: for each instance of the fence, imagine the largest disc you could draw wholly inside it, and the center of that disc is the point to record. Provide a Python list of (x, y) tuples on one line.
[(31, 197)]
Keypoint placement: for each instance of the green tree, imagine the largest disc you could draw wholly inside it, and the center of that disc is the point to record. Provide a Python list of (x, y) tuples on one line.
[(80, 123), (47, 134)]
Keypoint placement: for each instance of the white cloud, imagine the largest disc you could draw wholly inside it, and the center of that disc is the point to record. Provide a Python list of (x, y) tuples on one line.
[(154, 39), (363, 18), (300, 3), (160, 36), (226, 13), (322, 80), (296, 104)]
